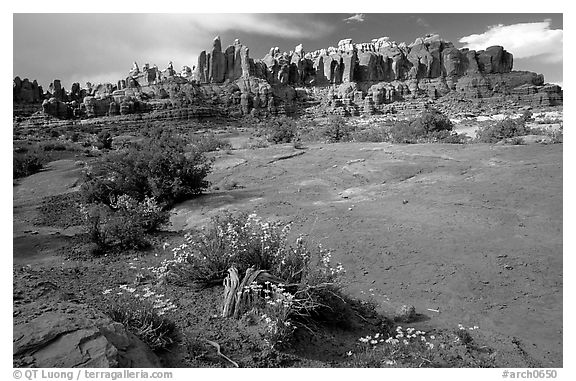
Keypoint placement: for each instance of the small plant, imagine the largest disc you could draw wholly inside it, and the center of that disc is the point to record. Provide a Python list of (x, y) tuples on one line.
[(123, 224), (210, 142), (142, 312), (337, 130), (410, 347)]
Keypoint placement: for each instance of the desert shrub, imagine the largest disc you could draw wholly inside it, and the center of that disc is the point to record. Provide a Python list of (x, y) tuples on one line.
[(145, 319), (306, 289), (255, 143), (104, 140), (337, 129), (27, 163), (73, 136), (374, 134), (54, 146), (504, 129), (156, 167), (123, 224), (281, 130), (54, 133), (430, 126), (210, 142)]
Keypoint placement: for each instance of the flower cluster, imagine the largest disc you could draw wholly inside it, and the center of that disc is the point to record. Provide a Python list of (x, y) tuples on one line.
[(462, 328), (158, 301), (406, 337)]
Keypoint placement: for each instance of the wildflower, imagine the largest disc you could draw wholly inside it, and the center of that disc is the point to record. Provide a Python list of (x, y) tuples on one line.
[(432, 337), (349, 353), (106, 292), (406, 342), (374, 342)]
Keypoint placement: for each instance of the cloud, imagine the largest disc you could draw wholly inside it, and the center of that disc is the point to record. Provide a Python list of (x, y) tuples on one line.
[(358, 17), (97, 47), (523, 40), (422, 22), (284, 26)]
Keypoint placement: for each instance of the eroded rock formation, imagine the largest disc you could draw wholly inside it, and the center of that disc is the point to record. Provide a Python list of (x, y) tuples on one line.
[(349, 79)]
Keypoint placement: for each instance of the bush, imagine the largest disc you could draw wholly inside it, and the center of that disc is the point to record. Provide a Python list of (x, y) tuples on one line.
[(304, 288), (157, 167), (54, 146), (337, 130), (281, 130), (210, 142), (504, 129), (73, 136), (104, 140), (373, 134), (123, 224), (27, 163), (430, 126)]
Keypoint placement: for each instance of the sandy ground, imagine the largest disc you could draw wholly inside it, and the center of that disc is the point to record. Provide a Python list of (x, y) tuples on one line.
[(473, 232)]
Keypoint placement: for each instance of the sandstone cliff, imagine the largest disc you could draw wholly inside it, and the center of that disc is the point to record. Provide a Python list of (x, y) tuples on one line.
[(349, 79)]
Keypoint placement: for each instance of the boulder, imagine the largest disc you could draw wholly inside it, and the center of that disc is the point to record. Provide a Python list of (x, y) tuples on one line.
[(75, 335)]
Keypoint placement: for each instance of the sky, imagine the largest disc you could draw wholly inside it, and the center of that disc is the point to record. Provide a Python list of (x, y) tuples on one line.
[(100, 48)]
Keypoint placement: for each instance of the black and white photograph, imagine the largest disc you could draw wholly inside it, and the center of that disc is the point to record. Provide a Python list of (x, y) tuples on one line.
[(289, 189)]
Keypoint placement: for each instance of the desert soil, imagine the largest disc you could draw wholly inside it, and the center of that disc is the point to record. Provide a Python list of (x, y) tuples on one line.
[(468, 234)]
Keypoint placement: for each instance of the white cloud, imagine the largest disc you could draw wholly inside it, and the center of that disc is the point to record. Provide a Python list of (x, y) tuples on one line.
[(103, 46), (358, 17), (523, 40), (422, 22), (285, 26)]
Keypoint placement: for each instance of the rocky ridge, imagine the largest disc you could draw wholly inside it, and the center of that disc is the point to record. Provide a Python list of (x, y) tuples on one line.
[(379, 76)]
